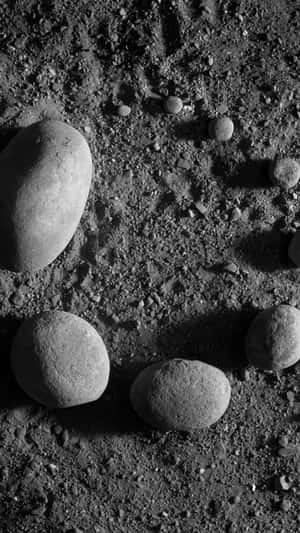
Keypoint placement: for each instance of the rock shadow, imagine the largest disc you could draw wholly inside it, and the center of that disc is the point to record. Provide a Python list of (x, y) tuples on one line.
[(253, 174), (10, 394), (216, 338), (265, 250), (112, 414), (6, 135)]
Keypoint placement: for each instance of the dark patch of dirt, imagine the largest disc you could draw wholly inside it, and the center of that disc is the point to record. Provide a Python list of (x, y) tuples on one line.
[(156, 277)]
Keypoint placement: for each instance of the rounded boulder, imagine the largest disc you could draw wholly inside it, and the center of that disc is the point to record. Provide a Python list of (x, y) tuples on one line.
[(60, 360), (46, 172), (180, 395), (273, 338)]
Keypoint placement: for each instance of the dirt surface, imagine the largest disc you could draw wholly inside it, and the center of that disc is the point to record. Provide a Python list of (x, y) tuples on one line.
[(182, 241)]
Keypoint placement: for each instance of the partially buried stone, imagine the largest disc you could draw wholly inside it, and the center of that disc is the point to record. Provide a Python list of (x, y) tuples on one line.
[(173, 105), (284, 172), (273, 339), (180, 395), (124, 110), (221, 129), (59, 360)]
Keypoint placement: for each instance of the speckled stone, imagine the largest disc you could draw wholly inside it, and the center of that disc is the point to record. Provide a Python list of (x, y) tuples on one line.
[(180, 395), (221, 129), (59, 360), (273, 339), (284, 172)]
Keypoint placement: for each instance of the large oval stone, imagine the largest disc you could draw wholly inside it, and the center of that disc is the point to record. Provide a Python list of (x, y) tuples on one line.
[(60, 360), (273, 338), (46, 173), (180, 395)]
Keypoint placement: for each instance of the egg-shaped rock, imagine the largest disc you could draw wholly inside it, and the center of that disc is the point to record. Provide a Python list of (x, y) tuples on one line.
[(60, 360), (180, 395), (273, 338), (46, 172)]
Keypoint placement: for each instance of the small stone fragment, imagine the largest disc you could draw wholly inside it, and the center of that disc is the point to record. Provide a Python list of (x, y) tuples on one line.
[(273, 338), (221, 129), (173, 105), (180, 395), (124, 110), (284, 172)]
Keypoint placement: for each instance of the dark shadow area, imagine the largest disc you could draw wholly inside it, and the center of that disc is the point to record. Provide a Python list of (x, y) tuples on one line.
[(252, 174), (216, 338), (192, 130), (10, 394), (126, 93), (266, 250), (112, 414), (170, 28), (6, 135), (153, 106)]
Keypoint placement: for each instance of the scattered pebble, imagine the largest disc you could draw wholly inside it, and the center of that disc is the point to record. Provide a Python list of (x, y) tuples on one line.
[(221, 129), (180, 395), (173, 105), (124, 110), (284, 172), (286, 505), (273, 338), (282, 483)]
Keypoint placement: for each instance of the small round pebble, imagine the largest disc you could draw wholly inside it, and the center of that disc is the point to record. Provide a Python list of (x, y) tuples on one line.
[(180, 395), (294, 249), (60, 360), (284, 172), (173, 105), (221, 129), (124, 110), (273, 339)]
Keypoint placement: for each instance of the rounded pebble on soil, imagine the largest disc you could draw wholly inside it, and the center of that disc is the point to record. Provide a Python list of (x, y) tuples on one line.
[(221, 129), (124, 110), (284, 172), (46, 174), (180, 395), (173, 105), (273, 339), (59, 360), (294, 249)]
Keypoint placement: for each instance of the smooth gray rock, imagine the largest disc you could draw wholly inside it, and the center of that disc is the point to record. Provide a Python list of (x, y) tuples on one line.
[(46, 173)]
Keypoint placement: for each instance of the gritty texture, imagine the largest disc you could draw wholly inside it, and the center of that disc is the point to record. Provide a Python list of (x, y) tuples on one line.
[(46, 173), (273, 338), (221, 129), (284, 172), (181, 395), (59, 360), (182, 241)]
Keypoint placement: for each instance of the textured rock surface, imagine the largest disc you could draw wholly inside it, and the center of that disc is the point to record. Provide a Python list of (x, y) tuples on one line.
[(59, 360), (180, 395), (46, 173), (284, 172), (221, 129), (273, 339)]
